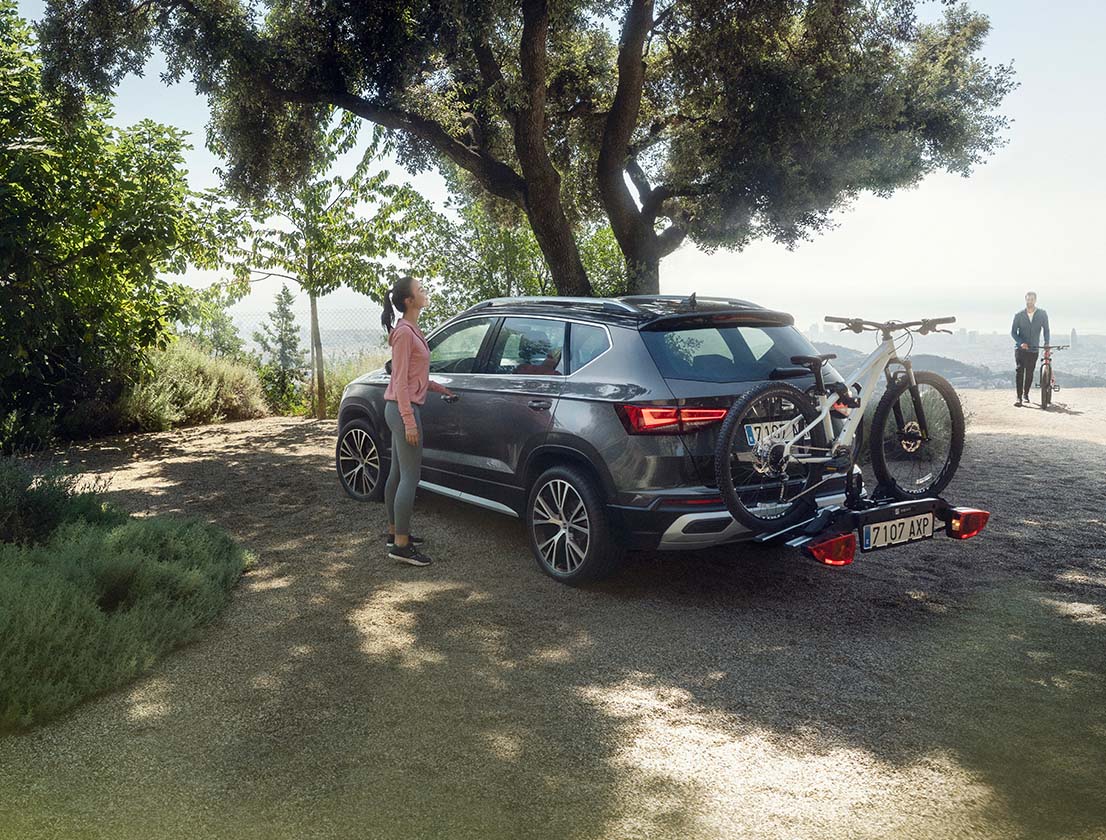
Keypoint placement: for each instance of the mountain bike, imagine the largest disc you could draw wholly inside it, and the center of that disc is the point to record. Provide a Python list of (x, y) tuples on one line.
[(778, 443), (1048, 378)]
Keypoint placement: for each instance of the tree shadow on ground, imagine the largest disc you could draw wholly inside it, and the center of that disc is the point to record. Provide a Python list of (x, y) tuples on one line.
[(702, 694)]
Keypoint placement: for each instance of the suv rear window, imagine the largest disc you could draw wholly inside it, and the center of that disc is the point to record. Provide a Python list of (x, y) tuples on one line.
[(725, 353)]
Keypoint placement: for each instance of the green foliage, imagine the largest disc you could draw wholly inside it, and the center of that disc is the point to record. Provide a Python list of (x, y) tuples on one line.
[(325, 233), (341, 372), (91, 219), (91, 598), (282, 372), (184, 386), (734, 119), (34, 503), (489, 251), (205, 321)]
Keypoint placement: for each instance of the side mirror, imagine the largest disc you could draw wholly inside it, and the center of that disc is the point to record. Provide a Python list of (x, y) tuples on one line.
[(388, 367)]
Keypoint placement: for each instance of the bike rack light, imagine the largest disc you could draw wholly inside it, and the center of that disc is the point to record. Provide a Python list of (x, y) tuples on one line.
[(838, 550), (965, 523)]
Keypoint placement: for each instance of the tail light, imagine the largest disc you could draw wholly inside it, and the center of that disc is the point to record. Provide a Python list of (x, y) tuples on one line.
[(836, 551), (667, 419), (965, 523)]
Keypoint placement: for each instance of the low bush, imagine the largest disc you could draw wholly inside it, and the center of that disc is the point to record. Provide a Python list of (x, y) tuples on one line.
[(186, 387), (339, 373), (89, 597)]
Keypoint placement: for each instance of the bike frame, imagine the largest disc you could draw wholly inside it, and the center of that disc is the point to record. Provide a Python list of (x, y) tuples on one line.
[(1046, 360), (863, 383)]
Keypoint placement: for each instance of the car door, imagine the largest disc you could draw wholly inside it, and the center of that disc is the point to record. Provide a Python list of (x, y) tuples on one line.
[(509, 409), (455, 353)]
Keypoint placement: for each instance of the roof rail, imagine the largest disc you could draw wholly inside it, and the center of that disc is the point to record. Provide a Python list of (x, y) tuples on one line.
[(609, 304), (681, 298)]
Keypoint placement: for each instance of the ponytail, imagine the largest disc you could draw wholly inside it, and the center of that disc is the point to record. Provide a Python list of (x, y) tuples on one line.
[(395, 299)]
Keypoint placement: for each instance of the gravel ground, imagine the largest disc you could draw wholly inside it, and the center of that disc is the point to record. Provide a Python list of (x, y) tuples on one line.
[(941, 691)]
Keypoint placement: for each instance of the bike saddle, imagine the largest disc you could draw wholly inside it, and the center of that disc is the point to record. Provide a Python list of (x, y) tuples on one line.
[(811, 361)]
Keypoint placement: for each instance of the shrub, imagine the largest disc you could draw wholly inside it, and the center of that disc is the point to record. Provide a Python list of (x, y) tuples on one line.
[(33, 506), (339, 373), (186, 387), (89, 597)]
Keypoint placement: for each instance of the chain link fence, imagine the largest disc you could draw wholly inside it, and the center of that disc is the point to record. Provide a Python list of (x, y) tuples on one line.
[(353, 343)]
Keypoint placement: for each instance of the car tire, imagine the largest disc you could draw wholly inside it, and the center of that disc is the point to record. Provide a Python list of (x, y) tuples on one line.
[(358, 460), (568, 529)]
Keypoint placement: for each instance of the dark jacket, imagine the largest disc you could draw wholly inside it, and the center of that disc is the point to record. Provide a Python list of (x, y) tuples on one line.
[(1024, 332)]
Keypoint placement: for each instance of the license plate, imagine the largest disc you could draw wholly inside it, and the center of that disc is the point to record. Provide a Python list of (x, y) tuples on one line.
[(756, 432), (896, 532)]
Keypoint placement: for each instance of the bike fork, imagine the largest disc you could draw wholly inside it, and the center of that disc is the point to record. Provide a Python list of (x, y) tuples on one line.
[(915, 398)]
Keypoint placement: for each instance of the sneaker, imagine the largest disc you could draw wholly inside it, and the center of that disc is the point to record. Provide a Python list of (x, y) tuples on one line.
[(408, 554), (391, 539), (1018, 404)]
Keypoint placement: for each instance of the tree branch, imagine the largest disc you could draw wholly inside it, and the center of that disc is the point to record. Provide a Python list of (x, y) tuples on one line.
[(651, 206), (671, 238), (639, 178), (493, 174), (626, 220)]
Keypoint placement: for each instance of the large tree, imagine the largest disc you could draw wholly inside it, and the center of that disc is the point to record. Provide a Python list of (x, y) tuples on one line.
[(718, 120), (93, 219)]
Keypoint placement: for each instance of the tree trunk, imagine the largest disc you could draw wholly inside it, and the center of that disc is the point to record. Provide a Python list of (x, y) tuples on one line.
[(544, 208), (558, 246), (644, 276), (317, 356)]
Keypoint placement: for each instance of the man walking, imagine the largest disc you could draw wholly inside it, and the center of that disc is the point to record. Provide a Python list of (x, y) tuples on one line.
[(1026, 332)]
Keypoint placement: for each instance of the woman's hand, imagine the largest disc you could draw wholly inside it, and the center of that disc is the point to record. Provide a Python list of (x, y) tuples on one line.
[(412, 436)]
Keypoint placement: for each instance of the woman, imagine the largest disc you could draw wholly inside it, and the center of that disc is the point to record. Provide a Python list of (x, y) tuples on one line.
[(405, 393)]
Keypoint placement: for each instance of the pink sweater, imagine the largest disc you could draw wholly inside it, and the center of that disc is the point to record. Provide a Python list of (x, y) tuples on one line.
[(410, 370)]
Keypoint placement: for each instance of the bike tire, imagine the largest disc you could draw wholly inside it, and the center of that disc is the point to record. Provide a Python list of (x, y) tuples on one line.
[(786, 515), (934, 482), (1046, 385)]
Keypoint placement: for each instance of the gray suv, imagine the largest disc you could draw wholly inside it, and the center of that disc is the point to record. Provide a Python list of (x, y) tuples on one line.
[(592, 420)]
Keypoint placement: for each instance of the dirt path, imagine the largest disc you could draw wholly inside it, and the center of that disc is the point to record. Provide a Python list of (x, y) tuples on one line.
[(946, 691)]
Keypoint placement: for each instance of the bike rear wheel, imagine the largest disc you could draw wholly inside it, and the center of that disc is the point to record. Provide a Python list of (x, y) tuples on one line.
[(909, 464), (1046, 385), (760, 494)]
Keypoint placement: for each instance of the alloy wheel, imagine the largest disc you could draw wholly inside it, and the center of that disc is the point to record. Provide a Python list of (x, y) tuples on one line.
[(562, 529), (359, 461)]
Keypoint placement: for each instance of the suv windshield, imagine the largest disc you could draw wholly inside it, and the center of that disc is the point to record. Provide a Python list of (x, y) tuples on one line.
[(725, 353)]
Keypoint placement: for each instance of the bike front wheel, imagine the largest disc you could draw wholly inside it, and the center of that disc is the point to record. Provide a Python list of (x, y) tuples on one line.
[(1046, 385), (917, 436), (763, 492)]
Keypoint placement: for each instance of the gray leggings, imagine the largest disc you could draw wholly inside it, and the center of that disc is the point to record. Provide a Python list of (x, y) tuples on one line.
[(403, 477)]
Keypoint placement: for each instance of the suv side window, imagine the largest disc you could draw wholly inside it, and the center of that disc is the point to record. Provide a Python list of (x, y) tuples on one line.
[(454, 349), (588, 343), (529, 347)]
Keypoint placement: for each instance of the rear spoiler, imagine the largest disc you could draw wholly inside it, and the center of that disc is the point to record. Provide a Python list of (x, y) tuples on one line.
[(719, 317)]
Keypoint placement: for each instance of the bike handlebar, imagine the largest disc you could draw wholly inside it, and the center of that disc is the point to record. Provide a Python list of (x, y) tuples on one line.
[(924, 326)]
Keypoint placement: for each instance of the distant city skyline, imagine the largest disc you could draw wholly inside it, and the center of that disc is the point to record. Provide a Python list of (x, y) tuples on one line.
[(1027, 219)]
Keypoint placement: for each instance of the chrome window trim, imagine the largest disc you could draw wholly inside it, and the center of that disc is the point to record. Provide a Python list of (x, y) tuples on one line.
[(604, 327)]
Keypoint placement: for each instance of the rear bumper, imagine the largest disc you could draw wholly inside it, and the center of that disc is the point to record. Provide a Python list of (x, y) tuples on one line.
[(666, 525)]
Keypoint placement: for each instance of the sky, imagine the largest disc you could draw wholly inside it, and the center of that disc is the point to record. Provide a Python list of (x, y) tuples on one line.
[(968, 247)]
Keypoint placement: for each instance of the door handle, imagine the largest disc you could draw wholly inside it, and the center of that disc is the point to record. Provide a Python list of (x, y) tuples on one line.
[(450, 398), (540, 405)]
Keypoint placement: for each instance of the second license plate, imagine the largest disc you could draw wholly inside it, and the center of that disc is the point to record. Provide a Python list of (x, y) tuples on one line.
[(896, 532)]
